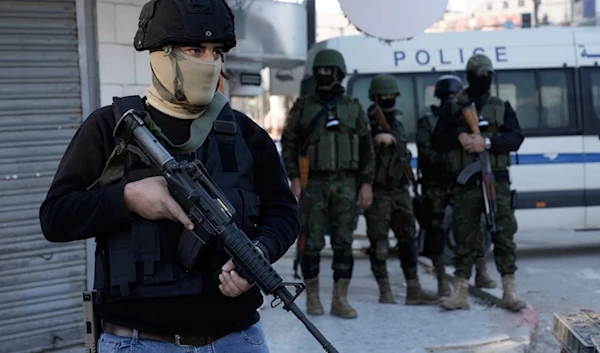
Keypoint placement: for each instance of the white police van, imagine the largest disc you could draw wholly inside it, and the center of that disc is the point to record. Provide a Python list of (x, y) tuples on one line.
[(551, 78)]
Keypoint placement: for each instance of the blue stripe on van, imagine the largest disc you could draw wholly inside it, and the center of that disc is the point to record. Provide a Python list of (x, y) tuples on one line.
[(561, 158)]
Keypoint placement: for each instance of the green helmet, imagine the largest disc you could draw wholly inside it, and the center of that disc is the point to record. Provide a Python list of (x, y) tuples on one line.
[(330, 58), (480, 65), (383, 84)]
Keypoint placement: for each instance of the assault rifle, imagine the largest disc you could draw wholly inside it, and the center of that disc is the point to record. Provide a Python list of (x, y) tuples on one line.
[(212, 214), (419, 207), (482, 165)]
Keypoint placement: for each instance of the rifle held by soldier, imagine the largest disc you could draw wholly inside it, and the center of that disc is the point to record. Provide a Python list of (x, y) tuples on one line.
[(419, 207), (207, 207), (304, 206), (482, 165)]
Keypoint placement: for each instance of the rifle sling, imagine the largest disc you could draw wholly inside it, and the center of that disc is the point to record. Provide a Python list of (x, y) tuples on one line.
[(199, 131)]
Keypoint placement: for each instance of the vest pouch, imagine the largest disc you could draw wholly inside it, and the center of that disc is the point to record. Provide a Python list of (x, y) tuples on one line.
[(348, 115), (325, 156), (458, 159), (250, 207), (121, 264), (344, 151), (381, 175), (355, 144), (146, 251), (499, 161), (100, 274)]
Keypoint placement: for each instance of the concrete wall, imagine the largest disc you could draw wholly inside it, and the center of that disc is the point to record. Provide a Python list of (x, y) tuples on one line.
[(122, 70)]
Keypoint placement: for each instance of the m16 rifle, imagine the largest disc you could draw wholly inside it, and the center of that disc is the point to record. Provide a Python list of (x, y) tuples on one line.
[(207, 207), (482, 164)]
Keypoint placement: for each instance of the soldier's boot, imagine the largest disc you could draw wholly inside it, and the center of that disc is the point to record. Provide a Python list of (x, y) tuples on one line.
[(415, 295), (385, 291), (443, 285), (313, 302), (510, 299), (339, 305), (482, 277), (459, 298)]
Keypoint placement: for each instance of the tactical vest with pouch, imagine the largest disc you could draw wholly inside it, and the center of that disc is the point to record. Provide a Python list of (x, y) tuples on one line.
[(137, 261), (332, 150), (493, 112)]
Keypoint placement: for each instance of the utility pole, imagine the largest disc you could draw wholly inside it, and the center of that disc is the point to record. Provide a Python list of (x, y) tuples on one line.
[(572, 10), (536, 10), (311, 23)]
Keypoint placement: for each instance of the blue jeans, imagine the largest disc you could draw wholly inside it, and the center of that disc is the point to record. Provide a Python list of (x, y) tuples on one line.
[(249, 340)]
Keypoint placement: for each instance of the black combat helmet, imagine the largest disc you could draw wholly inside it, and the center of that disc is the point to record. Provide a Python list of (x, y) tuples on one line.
[(184, 22), (447, 84)]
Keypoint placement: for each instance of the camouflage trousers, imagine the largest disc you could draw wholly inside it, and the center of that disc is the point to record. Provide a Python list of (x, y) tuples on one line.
[(438, 196), (392, 209), (333, 211), (468, 205)]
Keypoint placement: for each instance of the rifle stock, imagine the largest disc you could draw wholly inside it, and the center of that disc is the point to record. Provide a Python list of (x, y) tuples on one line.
[(207, 207), (472, 118), (377, 113)]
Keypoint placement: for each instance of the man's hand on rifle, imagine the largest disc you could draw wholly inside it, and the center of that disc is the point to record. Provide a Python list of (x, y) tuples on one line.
[(296, 189), (466, 140), (232, 285), (477, 144), (150, 198), (385, 138), (365, 196)]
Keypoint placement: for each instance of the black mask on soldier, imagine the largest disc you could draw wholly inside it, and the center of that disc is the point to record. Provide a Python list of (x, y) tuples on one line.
[(386, 104), (324, 80), (478, 85)]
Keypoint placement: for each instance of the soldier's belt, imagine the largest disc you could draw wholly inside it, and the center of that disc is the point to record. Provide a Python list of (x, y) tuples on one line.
[(338, 174)]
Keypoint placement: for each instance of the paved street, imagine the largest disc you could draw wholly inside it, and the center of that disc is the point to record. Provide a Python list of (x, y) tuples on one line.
[(393, 328), (557, 279), (558, 272)]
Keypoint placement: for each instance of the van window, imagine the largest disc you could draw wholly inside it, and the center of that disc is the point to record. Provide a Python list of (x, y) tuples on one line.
[(544, 100)]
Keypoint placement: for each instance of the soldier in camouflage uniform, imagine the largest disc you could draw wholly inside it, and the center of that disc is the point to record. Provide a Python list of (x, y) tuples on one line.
[(392, 205), (340, 152), (436, 185), (500, 136)]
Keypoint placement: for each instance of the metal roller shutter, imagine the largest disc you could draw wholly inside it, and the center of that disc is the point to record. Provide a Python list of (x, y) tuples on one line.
[(40, 109)]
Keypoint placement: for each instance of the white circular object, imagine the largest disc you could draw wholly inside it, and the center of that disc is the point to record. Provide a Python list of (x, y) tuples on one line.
[(393, 19)]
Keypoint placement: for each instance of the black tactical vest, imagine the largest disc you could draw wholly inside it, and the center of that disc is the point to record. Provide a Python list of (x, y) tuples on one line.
[(138, 261)]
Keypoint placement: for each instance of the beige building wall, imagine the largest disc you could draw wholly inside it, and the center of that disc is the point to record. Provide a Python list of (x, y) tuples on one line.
[(122, 70)]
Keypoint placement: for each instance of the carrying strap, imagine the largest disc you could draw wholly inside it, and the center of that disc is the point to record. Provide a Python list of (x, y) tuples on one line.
[(304, 137), (199, 131)]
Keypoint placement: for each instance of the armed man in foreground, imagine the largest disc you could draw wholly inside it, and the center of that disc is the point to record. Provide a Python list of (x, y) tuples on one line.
[(392, 205), (437, 184), (478, 131), (147, 300), (327, 142)]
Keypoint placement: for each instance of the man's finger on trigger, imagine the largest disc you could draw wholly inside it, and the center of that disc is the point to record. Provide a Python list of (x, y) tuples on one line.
[(229, 265), (178, 213)]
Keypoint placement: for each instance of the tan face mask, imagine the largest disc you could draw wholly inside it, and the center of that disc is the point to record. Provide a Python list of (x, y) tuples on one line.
[(183, 80)]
